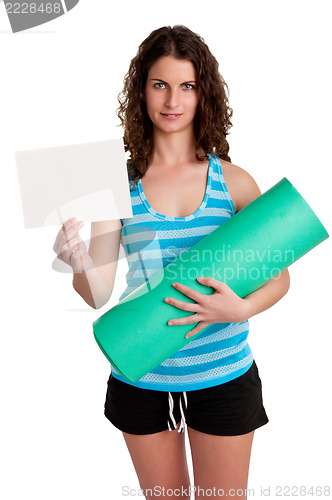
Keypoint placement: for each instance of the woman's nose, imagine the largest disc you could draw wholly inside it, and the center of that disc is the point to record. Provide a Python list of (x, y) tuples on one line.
[(172, 99)]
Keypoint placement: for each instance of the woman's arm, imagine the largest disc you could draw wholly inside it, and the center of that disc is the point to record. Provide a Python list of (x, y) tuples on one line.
[(268, 295), (243, 190), (96, 284)]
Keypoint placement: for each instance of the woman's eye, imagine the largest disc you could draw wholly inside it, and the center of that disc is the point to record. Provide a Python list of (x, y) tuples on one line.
[(159, 85), (188, 86)]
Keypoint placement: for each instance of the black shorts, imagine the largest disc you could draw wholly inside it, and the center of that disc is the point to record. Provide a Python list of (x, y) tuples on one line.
[(228, 409)]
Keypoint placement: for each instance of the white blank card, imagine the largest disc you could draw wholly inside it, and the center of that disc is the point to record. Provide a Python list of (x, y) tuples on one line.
[(88, 181)]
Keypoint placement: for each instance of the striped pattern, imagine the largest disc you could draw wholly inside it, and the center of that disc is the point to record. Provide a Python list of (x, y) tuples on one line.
[(151, 241)]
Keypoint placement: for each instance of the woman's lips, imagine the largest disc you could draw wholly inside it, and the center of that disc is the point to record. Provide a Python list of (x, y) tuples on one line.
[(171, 116)]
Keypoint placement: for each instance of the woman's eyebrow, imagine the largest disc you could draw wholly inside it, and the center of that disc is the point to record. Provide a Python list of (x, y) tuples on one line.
[(162, 81)]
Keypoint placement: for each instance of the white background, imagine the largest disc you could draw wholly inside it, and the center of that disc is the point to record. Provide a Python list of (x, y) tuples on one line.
[(58, 85)]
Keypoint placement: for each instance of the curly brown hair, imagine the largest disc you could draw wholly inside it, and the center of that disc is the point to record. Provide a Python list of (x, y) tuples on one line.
[(212, 120)]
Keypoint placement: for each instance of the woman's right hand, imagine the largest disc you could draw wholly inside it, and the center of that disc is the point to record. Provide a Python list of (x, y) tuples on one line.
[(70, 248)]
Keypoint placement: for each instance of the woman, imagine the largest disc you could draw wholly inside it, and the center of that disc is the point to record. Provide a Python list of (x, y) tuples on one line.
[(175, 113)]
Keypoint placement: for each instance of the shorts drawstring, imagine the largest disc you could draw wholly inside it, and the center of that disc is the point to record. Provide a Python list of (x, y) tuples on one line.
[(171, 421)]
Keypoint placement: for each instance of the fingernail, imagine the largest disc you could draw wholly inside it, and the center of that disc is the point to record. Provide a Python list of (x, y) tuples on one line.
[(174, 284), (166, 300), (170, 323)]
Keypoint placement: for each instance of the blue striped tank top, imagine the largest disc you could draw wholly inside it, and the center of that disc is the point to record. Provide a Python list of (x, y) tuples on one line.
[(221, 352)]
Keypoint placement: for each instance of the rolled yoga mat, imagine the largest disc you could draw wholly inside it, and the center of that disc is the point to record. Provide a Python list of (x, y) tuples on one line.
[(248, 250)]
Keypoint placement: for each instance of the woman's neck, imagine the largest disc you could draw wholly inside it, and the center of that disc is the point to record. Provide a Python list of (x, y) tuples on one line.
[(172, 150)]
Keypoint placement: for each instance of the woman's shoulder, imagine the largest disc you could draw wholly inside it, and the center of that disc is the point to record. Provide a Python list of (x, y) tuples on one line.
[(241, 186)]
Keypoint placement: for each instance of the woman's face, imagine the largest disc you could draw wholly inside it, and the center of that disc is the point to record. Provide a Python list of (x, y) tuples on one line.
[(171, 94)]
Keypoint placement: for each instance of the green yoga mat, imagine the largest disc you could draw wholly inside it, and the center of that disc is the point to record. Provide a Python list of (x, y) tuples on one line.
[(248, 250)]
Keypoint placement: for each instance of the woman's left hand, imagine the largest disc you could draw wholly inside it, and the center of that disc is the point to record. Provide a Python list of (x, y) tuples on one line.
[(223, 306)]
